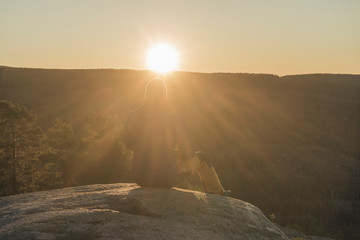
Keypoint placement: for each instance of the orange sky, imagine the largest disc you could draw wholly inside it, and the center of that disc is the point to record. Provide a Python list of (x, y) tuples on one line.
[(269, 36)]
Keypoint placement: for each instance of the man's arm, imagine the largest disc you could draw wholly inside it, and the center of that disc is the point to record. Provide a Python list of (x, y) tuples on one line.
[(130, 129), (184, 140)]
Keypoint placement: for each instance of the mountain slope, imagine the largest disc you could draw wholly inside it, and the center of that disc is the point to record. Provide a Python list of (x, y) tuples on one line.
[(286, 144)]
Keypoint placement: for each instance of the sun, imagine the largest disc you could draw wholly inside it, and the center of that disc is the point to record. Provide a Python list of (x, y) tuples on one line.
[(162, 58)]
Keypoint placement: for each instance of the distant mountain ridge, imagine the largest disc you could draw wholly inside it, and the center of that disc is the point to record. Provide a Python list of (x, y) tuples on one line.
[(289, 145), (323, 101)]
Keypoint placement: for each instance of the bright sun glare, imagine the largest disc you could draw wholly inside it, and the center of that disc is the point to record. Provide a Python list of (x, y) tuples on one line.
[(162, 58)]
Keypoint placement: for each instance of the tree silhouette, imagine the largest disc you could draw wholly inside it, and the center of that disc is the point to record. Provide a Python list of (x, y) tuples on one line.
[(18, 140)]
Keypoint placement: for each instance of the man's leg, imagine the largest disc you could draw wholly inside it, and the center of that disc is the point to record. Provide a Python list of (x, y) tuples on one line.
[(206, 171)]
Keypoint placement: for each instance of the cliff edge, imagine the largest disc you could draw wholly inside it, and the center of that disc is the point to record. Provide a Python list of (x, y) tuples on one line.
[(125, 211)]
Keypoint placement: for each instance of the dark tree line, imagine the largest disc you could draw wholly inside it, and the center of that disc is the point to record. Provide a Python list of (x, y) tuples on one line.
[(33, 158)]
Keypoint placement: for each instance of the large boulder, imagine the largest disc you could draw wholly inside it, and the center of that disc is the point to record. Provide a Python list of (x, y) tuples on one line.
[(125, 211)]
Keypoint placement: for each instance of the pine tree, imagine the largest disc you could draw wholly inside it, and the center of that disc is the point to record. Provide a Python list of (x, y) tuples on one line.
[(20, 142), (63, 147)]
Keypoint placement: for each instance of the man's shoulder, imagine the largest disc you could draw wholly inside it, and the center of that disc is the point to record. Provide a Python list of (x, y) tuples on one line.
[(133, 115), (138, 111), (142, 112), (134, 112)]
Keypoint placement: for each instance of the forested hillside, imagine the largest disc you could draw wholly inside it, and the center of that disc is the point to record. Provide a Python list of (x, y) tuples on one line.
[(289, 145)]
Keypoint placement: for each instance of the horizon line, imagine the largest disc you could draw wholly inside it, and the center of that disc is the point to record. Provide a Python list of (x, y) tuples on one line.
[(181, 71)]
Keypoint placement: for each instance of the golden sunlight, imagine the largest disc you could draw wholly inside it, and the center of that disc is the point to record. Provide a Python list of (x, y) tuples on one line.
[(162, 58)]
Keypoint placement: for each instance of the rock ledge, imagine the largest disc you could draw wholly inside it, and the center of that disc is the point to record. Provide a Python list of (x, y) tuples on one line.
[(125, 211)]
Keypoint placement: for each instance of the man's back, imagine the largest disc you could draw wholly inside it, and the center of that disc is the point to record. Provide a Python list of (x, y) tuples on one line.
[(154, 134)]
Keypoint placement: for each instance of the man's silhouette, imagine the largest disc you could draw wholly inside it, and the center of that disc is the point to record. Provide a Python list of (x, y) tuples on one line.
[(161, 144)]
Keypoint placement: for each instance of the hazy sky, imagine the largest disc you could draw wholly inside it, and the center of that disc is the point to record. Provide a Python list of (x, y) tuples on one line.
[(269, 36)]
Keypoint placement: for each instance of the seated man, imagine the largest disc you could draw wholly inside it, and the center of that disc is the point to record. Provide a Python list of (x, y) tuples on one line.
[(161, 144)]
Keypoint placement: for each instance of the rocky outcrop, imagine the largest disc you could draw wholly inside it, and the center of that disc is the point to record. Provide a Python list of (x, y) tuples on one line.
[(125, 211)]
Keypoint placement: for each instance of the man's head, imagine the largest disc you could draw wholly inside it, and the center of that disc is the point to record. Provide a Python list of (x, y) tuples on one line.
[(156, 91)]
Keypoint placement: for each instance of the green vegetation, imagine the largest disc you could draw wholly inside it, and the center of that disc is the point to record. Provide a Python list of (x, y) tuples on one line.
[(19, 145), (288, 144), (33, 159)]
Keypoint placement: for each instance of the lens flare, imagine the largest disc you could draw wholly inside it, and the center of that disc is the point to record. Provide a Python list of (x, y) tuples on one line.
[(162, 58)]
